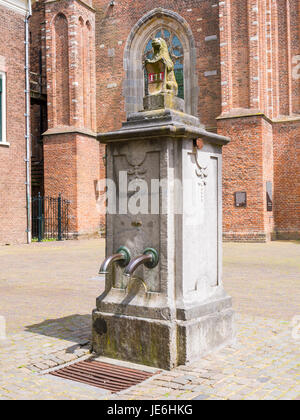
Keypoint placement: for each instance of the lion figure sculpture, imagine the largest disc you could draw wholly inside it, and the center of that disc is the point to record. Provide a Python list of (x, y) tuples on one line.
[(161, 63)]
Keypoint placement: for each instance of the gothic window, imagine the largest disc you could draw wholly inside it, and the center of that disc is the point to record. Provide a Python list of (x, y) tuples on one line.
[(176, 54), (62, 70)]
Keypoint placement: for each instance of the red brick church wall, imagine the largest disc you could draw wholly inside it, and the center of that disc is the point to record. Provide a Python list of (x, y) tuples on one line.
[(12, 165), (71, 151), (245, 63), (287, 180)]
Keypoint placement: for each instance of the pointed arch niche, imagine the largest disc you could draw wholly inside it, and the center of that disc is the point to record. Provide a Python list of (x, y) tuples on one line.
[(134, 85), (61, 66)]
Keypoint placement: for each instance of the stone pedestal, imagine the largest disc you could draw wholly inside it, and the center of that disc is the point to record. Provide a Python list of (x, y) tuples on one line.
[(178, 311), (163, 101)]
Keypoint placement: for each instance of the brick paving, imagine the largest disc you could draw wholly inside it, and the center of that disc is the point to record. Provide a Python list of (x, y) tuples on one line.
[(48, 291), (49, 281)]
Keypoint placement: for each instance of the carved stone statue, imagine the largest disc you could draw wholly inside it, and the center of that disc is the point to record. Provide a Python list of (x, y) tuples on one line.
[(160, 69)]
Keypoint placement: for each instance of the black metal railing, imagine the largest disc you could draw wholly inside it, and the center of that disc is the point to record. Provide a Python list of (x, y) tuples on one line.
[(50, 218)]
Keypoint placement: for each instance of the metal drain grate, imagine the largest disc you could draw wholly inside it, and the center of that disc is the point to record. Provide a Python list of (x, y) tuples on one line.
[(103, 375)]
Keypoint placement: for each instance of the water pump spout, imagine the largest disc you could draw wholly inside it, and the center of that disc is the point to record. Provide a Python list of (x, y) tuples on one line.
[(122, 257), (149, 258)]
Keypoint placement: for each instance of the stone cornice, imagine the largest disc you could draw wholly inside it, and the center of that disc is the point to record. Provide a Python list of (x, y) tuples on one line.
[(254, 113), (69, 130), (241, 113), (286, 119), (17, 6)]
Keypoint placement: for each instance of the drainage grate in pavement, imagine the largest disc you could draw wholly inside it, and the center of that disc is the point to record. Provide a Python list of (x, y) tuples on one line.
[(103, 375)]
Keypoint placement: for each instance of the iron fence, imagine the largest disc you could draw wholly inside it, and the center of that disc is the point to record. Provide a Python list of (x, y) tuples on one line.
[(50, 218)]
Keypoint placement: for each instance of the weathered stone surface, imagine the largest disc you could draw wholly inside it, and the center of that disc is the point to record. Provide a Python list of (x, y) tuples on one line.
[(163, 100), (199, 336), (144, 341), (178, 311)]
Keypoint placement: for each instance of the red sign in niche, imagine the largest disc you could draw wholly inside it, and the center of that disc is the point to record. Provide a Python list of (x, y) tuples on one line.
[(156, 77)]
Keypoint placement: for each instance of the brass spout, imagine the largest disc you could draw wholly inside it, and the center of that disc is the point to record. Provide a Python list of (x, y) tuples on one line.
[(149, 258), (122, 257), (109, 260), (135, 263)]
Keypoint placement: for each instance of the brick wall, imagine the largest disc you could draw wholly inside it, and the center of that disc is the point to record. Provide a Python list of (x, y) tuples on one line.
[(72, 169), (114, 25), (247, 53), (71, 151), (268, 174), (243, 172), (248, 166), (38, 95), (287, 179), (242, 69), (12, 165), (70, 61)]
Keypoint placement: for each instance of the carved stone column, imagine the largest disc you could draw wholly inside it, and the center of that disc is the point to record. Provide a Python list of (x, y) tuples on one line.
[(176, 312)]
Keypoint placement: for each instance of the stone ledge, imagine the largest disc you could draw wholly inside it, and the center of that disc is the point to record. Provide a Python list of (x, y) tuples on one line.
[(17, 6), (159, 313), (247, 113), (4, 144), (157, 124), (68, 130), (204, 309)]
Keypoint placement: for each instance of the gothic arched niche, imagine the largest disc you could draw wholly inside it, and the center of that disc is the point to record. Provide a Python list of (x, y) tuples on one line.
[(175, 30), (61, 55)]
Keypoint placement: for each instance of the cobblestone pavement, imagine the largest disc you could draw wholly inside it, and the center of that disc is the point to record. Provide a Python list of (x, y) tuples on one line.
[(264, 279), (48, 281), (48, 291)]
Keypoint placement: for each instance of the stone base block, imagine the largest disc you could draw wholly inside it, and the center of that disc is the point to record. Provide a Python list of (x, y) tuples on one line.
[(145, 341), (200, 336), (163, 101), (162, 344)]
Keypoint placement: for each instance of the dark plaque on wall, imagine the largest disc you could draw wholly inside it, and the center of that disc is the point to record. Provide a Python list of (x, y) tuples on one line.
[(240, 199), (269, 196)]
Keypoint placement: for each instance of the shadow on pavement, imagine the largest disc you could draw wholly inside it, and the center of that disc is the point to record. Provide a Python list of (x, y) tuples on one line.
[(75, 328)]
